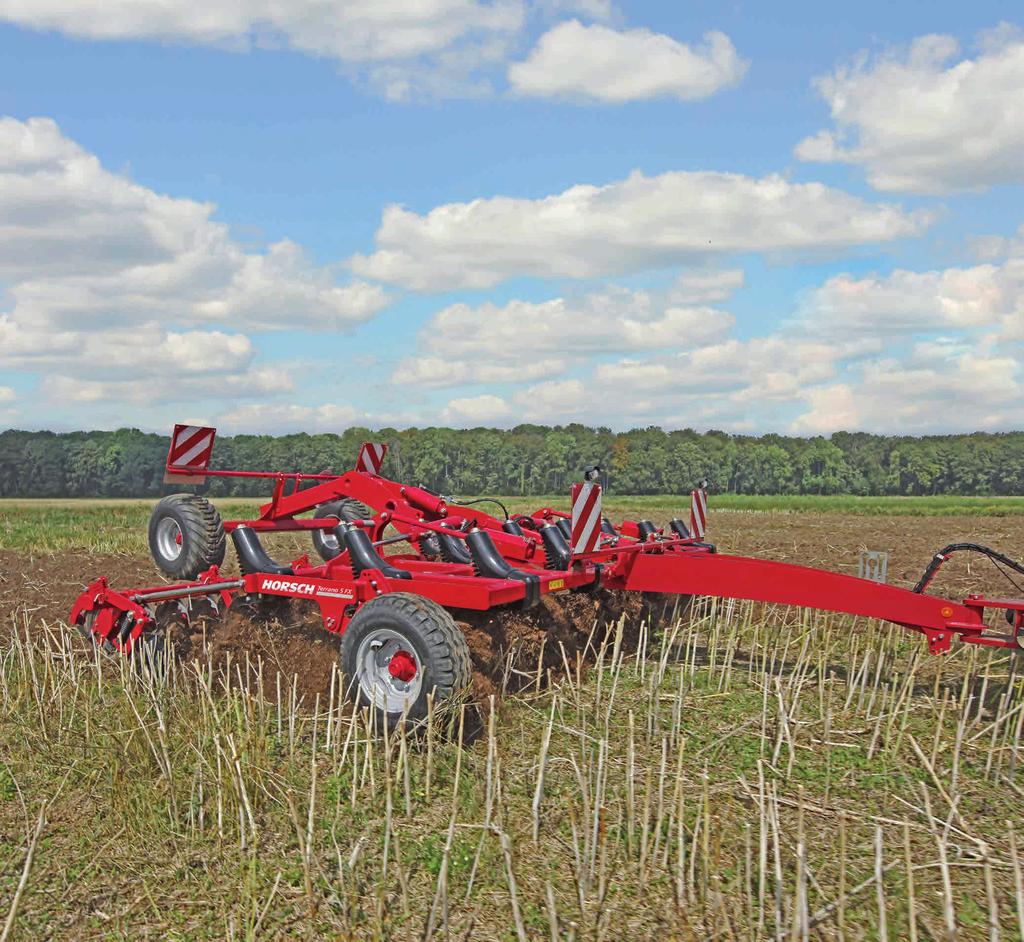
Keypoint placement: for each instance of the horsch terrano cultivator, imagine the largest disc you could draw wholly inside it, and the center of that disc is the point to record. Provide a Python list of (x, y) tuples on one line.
[(392, 610)]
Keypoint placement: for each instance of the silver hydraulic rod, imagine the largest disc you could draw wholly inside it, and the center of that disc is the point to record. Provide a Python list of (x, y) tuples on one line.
[(207, 589)]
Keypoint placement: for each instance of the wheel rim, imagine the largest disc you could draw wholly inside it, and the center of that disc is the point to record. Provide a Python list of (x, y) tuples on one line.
[(388, 670), (168, 538), (329, 541)]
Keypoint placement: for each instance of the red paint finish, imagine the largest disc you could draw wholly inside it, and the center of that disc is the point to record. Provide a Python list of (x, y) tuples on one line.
[(402, 666)]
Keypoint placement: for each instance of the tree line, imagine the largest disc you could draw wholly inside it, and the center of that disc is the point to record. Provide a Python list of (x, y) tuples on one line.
[(532, 459)]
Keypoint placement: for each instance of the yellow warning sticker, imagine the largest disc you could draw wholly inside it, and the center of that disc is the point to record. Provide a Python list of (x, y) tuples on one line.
[(556, 584)]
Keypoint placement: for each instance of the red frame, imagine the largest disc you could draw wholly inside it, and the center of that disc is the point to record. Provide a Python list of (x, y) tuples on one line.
[(672, 565)]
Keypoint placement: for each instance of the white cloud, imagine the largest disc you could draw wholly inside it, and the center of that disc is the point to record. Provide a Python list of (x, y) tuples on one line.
[(117, 292), (591, 9), (97, 267), (992, 248), (271, 417), (928, 391), (163, 386), (764, 368), (167, 354), (934, 351), (706, 287), (476, 410), (486, 344), (924, 123), (79, 245), (434, 372), (596, 63), (281, 418), (391, 42), (780, 382), (988, 296), (631, 225), (735, 384), (903, 353), (8, 412), (557, 401)]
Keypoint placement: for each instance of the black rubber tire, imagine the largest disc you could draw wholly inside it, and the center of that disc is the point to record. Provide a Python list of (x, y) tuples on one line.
[(438, 643), (345, 508), (202, 535)]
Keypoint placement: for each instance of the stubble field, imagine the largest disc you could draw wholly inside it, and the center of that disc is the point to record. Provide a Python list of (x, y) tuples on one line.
[(743, 772)]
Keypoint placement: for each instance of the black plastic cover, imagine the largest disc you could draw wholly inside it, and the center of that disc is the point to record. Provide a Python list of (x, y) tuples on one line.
[(252, 557), (363, 554), (646, 529), (556, 549), (490, 563), (679, 528), (452, 548)]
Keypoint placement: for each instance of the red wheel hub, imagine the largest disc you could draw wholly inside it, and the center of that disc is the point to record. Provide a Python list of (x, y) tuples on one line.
[(402, 666)]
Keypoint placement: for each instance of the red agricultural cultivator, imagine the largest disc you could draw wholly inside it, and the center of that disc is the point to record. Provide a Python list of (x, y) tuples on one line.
[(393, 610)]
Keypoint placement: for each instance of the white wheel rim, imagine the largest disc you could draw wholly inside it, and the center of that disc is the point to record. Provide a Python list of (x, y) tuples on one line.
[(329, 541), (375, 658), (169, 539)]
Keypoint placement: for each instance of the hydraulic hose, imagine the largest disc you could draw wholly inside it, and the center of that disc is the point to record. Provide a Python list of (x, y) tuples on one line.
[(943, 554)]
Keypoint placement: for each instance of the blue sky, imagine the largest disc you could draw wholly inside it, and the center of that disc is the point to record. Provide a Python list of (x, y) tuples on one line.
[(272, 217)]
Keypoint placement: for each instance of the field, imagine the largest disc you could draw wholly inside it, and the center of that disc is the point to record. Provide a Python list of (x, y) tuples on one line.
[(742, 772)]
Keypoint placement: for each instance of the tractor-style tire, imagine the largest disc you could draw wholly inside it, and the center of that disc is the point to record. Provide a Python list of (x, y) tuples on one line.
[(345, 509), (186, 536), (396, 650)]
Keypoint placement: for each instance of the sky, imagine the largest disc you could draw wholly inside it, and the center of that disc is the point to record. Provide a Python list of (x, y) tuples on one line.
[(303, 215)]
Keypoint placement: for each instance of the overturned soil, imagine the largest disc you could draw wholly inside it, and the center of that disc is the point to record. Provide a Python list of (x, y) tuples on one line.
[(511, 649), (285, 644)]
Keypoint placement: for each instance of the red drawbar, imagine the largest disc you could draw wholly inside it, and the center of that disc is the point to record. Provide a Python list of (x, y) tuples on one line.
[(402, 666)]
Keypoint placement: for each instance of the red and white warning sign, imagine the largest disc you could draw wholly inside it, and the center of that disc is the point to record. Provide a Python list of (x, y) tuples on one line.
[(586, 516), (698, 513), (371, 457), (189, 455)]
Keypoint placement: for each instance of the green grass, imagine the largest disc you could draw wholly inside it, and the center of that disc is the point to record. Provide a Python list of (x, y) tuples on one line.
[(119, 526)]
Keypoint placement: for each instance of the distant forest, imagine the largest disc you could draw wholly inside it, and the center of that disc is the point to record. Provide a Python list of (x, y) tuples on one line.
[(533, 459)]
